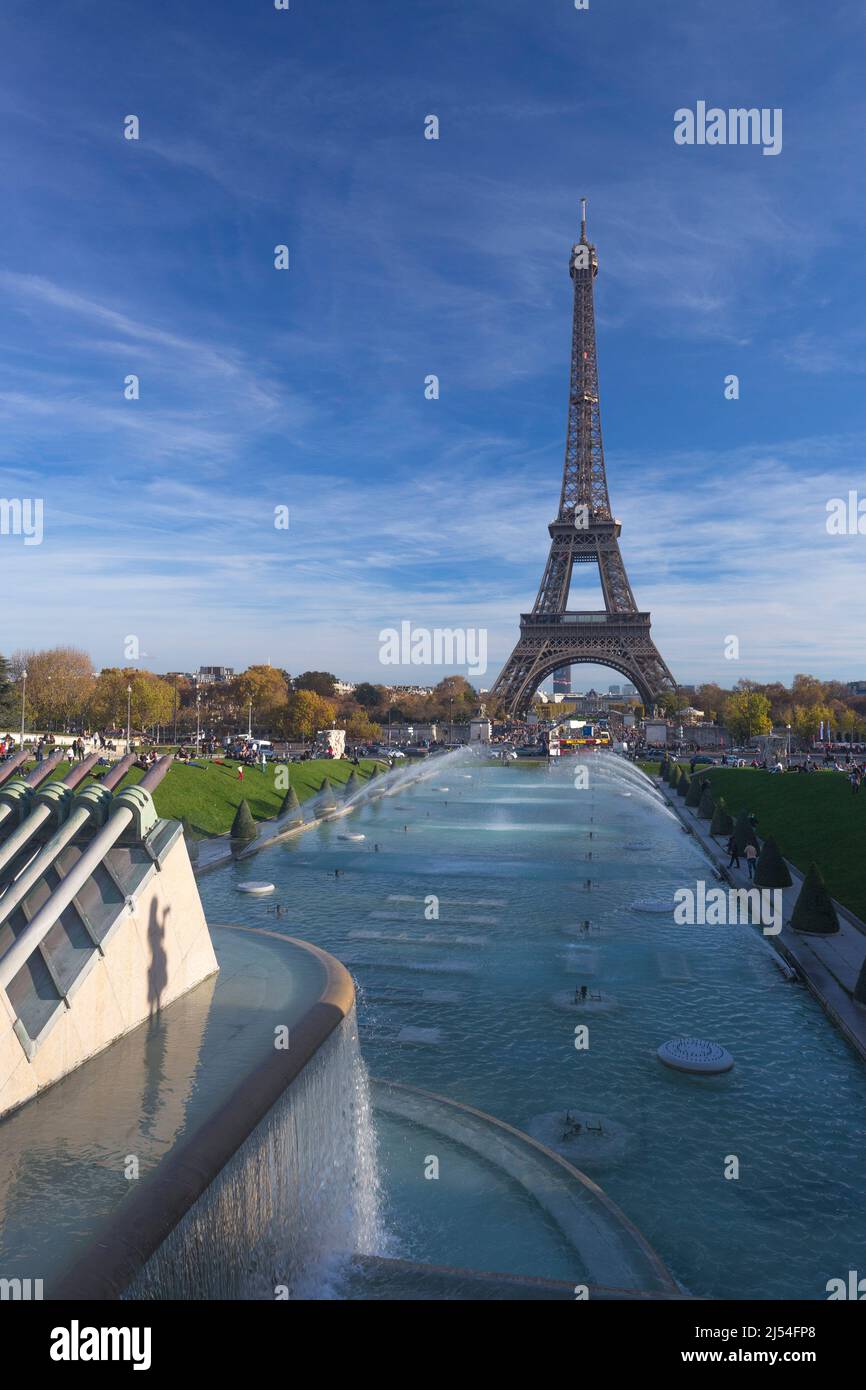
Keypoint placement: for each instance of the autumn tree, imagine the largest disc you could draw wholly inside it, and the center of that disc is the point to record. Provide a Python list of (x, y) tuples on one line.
[(454, 695), (710, 698), (307, 712), (746, 713), (10, 708), (807, 690), (361, 729), (321, 682), (806, 719), (152, 700), (371, 697), (669, 702), (59, 681), (150, 703), (266, 689)]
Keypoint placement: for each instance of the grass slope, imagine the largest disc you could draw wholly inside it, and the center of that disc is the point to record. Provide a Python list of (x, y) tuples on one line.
[(209, 795), (814, 817)]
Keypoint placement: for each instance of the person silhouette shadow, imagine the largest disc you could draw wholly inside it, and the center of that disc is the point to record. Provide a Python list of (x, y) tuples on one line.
[(157, 974)]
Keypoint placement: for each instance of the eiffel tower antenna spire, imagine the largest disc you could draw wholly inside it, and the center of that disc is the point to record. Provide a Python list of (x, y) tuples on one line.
[(585, 531)]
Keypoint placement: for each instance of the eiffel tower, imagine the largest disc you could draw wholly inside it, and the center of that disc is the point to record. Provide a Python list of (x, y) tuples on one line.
[(584, 532)]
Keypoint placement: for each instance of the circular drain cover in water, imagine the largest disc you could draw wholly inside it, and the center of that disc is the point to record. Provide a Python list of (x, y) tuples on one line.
[(695, 1055), (653, 905), (351, 837), (626, 793), (254, 886)]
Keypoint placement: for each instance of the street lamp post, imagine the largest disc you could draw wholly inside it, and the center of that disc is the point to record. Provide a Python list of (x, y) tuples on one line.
[(450, 721), (250, 722), (197, 722), (23, 702), (128, 718)]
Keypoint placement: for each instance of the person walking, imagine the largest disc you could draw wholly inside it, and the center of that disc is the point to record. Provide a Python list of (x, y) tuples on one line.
[(751, 859), (734, 861)]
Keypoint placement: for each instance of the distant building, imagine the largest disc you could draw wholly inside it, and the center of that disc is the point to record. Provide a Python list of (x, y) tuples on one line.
[(690, 715), (344, 688), (421, 733), (562, 681), (614, 690), (214, 675), (856, 687), (629, 690), (709, 736)]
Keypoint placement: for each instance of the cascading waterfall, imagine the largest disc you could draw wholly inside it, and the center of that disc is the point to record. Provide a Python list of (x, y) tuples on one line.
[(300, 1194)]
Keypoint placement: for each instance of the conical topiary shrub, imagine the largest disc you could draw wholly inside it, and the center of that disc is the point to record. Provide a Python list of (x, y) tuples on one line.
[(190, 838), (326, 794), (291, 807), (722, 822), (374, 771), (684, 783), (744, 833), (693, 795), (814, 911), (771, 871), (706, 805), (244, 826), (673, 774), (353, 783), (664, 767)]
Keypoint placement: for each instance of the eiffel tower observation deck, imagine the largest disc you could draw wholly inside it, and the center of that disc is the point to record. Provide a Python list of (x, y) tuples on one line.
[(584, 532)]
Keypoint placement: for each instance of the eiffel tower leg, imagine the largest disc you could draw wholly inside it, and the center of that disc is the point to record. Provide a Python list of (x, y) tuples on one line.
[(513, 677), (556, 580), (618, 596)]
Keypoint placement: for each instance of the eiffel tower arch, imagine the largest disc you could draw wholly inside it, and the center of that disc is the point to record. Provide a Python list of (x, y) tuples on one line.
[(585, 532)]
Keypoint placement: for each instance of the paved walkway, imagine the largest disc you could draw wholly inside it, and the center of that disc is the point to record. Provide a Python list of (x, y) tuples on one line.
[(829, 965)]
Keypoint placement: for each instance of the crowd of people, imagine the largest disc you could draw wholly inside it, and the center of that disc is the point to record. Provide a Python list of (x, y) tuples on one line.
[(46, 744)]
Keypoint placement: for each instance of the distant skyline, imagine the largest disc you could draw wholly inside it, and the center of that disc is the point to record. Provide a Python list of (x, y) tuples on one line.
[(304, 388)]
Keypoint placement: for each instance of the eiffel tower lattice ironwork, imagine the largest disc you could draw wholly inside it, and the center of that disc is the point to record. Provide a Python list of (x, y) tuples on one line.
[(584, 532)]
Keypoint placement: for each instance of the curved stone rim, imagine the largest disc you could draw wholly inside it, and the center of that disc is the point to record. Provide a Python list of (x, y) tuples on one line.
[(611, 1210)]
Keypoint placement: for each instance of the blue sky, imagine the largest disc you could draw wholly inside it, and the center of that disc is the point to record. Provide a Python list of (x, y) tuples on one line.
[(305, 388)]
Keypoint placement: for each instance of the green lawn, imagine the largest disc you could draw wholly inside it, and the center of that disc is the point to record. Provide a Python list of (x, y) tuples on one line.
[(814, 817), (209, 795)]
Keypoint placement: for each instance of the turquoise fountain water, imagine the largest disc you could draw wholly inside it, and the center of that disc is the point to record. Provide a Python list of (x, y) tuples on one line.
[(474, 1004)]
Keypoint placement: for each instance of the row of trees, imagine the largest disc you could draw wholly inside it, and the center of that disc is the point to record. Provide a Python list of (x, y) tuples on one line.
[(63, 692), (453, 698), (751, 709)]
